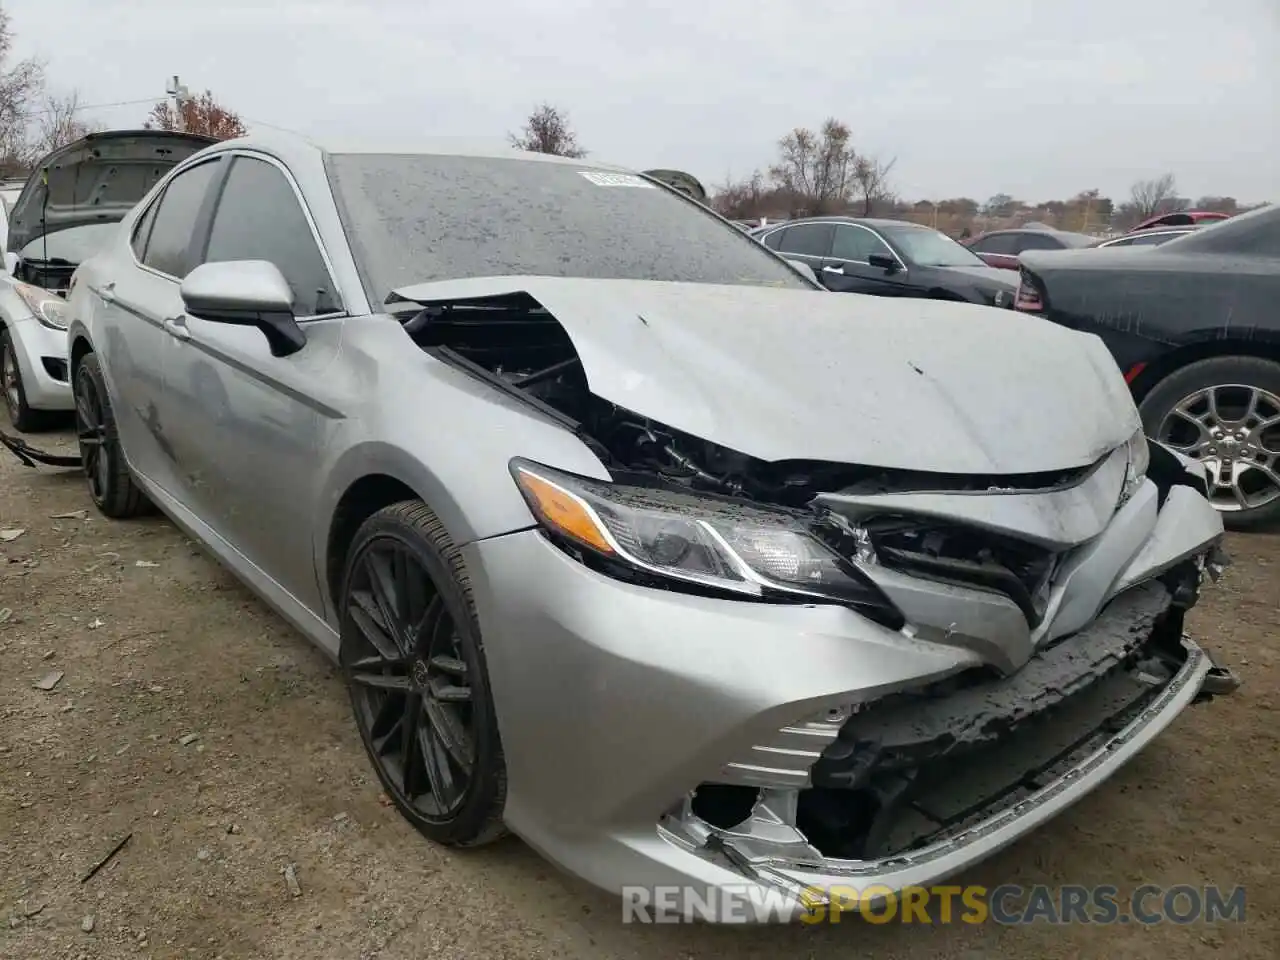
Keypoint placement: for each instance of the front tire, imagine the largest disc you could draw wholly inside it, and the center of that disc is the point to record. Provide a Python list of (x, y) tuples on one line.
[(1225, 412), (111, 484), (23, 417), (413, 661)]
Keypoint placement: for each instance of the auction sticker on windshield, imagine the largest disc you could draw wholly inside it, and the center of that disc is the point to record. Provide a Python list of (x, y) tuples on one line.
[(615, 179)]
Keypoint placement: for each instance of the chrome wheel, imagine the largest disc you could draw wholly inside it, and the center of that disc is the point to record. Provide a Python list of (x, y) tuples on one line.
[(1234, 430)]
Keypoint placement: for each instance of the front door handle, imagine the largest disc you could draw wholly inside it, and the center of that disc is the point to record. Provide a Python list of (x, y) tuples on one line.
[(177, 327), (108, 292), (839, 271)]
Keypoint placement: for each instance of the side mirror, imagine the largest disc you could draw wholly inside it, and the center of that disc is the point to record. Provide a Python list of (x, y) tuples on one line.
[(887, 264), (248, 293), (804, 268), (10, 263)]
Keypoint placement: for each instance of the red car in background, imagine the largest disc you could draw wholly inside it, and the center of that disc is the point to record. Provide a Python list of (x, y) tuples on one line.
[(1183, 218)]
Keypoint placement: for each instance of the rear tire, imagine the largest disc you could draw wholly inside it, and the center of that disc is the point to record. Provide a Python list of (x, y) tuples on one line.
[(1225, 412), (413, 660), (22, 415), (111, 484)]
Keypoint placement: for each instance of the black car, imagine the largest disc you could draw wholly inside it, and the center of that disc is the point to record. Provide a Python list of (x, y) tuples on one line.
[(1194, 324), (889, 258)]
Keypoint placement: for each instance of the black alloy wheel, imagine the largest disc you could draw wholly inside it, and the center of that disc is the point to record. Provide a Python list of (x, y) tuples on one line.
[(415, 671)]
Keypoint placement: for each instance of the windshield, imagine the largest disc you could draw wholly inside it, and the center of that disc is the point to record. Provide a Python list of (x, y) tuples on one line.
[(931, 248), (415, 218), (75, 244)]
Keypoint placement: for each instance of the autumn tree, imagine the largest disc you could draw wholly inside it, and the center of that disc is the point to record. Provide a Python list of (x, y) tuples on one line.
[(1149, 197), (202, 114), (871, 182), (60, 122), (816, 168), (21, 85), (547, 130)]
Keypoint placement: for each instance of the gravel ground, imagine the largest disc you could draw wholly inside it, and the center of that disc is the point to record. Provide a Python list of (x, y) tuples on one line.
[(190, 717)]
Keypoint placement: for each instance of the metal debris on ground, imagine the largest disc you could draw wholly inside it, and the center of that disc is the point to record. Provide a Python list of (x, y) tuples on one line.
[(70, 515), (13, 533), (291, 881), (145, 563), (188, 738), (5, 614), (111, 855), (97, 622), (49, 681)]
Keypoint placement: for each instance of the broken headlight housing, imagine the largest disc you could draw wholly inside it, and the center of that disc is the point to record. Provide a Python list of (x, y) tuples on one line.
[(689, 541), (48, 308), (1139, 458)]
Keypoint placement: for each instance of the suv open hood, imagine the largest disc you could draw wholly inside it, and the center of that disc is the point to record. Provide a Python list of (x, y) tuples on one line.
[(97, 179), (793, 374)]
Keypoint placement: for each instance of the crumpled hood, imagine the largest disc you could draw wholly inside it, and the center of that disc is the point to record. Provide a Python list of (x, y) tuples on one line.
[(784, 374), (97, 179)]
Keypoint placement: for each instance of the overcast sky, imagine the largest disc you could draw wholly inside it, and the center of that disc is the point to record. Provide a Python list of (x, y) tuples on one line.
[(1036, 99)]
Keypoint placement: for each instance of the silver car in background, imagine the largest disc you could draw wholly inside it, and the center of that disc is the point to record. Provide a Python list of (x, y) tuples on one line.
[(634, 545)]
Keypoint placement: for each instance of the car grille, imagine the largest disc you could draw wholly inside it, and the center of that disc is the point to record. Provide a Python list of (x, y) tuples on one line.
[(967, 555)]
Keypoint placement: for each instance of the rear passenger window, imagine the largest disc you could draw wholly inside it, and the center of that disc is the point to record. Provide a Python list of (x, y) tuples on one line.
[(1001, 243), (259, 217), (168, 249), (1038, 241), (142, 229)]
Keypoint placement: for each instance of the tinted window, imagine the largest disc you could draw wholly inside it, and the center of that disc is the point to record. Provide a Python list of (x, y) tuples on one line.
[(169, 246), (415, 218), (1123, 242), (142, 229), (855, 243), (1038, 241), (774, 240), (1151, 239), (259, 217), (807, 240), (931, 248), (1005, 243)]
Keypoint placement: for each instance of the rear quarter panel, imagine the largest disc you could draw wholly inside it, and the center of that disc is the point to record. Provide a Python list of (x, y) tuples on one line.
[(1150, 305)]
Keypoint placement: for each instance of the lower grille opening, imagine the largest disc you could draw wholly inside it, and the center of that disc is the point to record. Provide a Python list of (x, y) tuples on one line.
[(968, 556), (907, 779), (724, 805), (55, 368)]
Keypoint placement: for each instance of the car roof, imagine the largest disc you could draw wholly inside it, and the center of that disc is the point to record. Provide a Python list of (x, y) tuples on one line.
[(864, 221), (285, 145)]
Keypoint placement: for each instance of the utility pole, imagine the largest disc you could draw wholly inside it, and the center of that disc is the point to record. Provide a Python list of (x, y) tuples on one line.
[(180, 94)]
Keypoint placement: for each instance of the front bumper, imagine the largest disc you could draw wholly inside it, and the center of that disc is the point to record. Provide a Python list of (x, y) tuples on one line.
[(615, 702), (42, 360)]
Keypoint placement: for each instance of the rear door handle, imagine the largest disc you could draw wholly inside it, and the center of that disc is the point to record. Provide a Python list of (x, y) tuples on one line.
[(177, 327), (836, 270)]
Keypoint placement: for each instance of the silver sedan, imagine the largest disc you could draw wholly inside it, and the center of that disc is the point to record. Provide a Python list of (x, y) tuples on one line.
[(628, 541)]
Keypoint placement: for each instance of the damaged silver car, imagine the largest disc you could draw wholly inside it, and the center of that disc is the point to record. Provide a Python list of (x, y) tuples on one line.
[(648, 551)]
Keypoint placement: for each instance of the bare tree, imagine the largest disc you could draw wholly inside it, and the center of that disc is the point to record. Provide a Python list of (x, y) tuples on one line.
[(60, 123), (547, 131), (871, 182), (1149, 197), (816, 169), (21, 86), (202, 114)]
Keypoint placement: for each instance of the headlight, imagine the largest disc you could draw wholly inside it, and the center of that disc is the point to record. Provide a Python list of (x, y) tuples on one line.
[(684, 539), (1139, 455), (49, 308)]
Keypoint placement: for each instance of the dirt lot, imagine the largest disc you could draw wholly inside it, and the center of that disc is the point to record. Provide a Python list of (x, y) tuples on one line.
[(156, 645)]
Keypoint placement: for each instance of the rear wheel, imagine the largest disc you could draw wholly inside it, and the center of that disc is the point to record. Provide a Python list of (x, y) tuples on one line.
[(1225, 413), (111, 484), (21, 414), (414, 665)]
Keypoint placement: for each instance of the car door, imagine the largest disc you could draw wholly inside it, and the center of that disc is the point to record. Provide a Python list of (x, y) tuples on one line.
[(806, 242), (139, 297), (998, 249), (848, 269), (250, 428)]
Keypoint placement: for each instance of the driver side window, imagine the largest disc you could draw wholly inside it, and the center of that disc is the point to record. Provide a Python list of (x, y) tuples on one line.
[(857, 244), (259, 217)]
